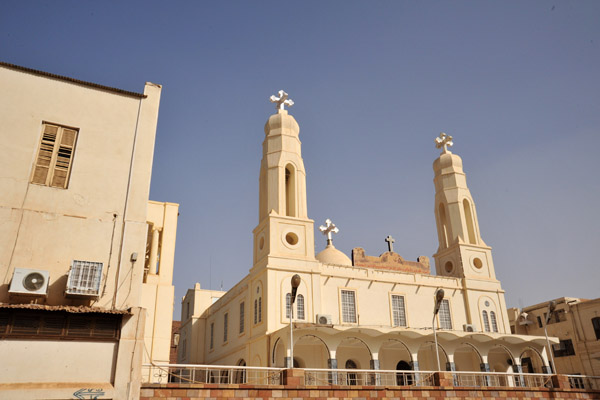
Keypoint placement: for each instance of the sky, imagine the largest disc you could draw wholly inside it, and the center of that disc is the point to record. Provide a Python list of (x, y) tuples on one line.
[(515, 83)]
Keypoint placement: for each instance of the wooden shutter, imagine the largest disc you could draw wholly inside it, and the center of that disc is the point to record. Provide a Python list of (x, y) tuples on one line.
[(45, 155), (63, 158)]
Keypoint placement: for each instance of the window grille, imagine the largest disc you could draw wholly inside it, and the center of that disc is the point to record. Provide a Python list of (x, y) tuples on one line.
[(348, 306), (300, 306), (486, 321), (255, 311), (242, 312), (259, 309), (444, 314), (225, 321), (398, 311), (494, 322), (84, 278)]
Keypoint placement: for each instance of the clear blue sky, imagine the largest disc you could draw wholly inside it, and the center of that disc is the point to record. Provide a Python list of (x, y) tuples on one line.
[(516, 83)]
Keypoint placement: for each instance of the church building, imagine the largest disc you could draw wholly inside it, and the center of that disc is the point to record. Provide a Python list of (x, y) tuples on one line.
[(364, 312)]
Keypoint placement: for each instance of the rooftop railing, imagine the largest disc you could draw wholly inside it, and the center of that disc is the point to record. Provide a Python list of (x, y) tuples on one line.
[(187, 373)]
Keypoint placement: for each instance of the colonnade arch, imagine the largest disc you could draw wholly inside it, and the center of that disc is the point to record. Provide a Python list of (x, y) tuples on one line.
[(393, 352), (467, 358), (531, 361), (427, 357)]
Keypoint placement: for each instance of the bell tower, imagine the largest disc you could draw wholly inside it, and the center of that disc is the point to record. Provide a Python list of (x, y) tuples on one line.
[(462, 252), (284, 230)]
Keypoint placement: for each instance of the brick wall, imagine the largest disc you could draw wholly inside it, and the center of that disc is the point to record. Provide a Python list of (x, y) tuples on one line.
[(294, 389)]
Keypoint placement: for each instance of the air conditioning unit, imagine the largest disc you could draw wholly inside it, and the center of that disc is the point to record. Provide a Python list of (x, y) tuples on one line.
[(32, 282), (84, 279), (324, 319), (469, 328)]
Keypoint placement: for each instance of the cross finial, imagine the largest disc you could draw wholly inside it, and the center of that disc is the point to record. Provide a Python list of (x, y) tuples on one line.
[(281, 101), (328, 229), (390, 241), (443, 141)]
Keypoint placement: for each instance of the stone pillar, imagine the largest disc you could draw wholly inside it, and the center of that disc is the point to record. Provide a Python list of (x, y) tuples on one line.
[(517, 369), (485, 367), (546, 369), (288, 362), (374, 379), (414, 365), (333, 376), (450, 366)]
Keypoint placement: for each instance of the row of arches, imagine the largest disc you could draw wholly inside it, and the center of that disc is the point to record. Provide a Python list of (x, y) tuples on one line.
[(310, 351)]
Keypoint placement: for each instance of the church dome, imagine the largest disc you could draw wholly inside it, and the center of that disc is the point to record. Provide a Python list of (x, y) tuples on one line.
[(331, 255)]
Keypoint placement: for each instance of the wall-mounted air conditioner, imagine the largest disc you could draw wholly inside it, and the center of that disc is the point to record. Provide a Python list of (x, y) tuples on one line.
[(32, 282), (84, 279), (469, 328), (324, 319)]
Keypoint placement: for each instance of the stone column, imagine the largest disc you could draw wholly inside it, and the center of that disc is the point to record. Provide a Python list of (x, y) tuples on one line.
[(517, 369), (333, 376), (414, 365), (485, 367), (374, 379)]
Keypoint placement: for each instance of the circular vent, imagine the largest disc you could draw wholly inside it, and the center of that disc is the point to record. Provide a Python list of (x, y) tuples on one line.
[(33, 281), (322, 320)]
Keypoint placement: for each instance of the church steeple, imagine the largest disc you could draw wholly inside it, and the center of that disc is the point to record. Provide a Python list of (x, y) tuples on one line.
[(284, 229), (461, 252)]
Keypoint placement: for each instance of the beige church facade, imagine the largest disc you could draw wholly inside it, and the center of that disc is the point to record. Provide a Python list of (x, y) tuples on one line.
[(86, 261), (367, 312)]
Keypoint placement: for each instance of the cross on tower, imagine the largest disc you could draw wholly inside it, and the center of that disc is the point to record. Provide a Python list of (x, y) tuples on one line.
[(443, 141), (328, 229), (281, 101), (390, 241)]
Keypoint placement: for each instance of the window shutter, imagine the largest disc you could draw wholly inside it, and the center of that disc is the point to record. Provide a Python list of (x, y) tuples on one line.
[(45, 154), (63, 158)]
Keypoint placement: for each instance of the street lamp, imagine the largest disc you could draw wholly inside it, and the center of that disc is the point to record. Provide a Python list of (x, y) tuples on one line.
[(439, 296), (551, 308), (295, 283)]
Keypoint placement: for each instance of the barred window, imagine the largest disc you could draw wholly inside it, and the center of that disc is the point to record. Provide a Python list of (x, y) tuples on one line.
[(444, 315), (398, 311), (300, 306), (494, 322), (259, 309), (255, 311), (225, 321), (348, 306), (242, 312), (84, 278), (55, 154), (486, 321)]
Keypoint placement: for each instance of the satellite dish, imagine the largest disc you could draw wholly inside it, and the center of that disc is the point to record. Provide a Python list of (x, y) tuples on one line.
[(33, 281)]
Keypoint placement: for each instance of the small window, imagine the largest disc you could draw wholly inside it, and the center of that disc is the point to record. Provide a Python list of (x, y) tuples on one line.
[(486, 321), (539, 321), (55, 154), (84, 278), (212, 335), (444, 315), (563, 349), (255, 311), (398, 311), (300, 306), (494, 322), (242, 312), (259, 309), (225, 322), (596, 325), (348, 306)]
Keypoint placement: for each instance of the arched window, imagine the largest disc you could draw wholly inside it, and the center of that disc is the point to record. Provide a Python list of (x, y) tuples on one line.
[(288, 305), (258, 305), (290, 191), (444, 227), (300, 306), (469, 221), (494, 323), (486, 321)]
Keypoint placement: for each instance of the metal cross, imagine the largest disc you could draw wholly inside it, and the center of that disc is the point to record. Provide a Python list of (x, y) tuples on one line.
[(390, 241), (281, 101), (443, 141), (328, 229)]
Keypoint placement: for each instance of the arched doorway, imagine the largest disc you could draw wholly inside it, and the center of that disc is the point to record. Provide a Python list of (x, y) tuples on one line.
[(403, 379), (351, 377), (240, 374)]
